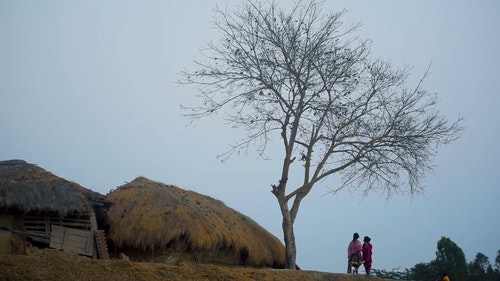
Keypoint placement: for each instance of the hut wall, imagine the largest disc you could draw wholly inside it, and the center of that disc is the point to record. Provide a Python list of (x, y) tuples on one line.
[(5, 245), (38, 226), (10, 239), (6, 221), (41, 224)]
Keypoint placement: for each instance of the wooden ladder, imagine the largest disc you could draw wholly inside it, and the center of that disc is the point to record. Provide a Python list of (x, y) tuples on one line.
[(102, 246)]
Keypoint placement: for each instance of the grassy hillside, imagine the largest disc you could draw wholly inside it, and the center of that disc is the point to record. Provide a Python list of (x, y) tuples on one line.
[(54, 265)]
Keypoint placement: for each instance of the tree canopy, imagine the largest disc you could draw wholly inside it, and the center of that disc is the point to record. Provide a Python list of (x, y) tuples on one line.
[(450, 259), (302, 75)]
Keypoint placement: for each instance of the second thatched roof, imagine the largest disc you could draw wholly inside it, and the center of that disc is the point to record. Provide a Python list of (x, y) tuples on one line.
[(149, 215), (25, 187)]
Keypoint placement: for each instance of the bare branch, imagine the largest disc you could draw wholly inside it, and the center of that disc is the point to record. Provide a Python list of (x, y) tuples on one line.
[(305, 77)]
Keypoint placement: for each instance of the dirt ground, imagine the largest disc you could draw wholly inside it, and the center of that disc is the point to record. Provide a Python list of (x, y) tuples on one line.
[(49, 264)]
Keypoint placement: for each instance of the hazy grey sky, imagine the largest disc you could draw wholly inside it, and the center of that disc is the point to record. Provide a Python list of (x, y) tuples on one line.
[(88, 92)]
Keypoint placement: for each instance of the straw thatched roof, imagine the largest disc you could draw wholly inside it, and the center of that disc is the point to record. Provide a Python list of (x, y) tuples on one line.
[(26, 187), (148, 215)]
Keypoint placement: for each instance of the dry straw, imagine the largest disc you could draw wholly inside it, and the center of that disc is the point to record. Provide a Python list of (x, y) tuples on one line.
[(148, 215)]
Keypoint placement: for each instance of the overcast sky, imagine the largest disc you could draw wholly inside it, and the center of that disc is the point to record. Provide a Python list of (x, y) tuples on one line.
[(88, 92)]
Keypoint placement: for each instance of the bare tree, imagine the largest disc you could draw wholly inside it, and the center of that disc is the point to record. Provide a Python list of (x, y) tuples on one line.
[(302, 75)]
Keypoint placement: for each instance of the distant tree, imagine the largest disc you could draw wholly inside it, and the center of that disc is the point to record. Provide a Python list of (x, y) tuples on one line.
[(497, 262), (451, 259), (303, 76), (480, 264), (424, 272), (480, 269), (395, 274)]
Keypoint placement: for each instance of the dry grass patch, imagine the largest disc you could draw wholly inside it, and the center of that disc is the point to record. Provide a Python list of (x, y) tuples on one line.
[(154, 217), (52, 265)]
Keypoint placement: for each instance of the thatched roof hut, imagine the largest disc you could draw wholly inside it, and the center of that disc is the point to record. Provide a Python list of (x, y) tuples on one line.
[(38, 207), (27, 188), (151, 216)]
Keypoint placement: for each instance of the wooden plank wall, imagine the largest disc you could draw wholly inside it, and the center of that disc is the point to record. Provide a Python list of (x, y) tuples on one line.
[(39, 225), (72, 240)]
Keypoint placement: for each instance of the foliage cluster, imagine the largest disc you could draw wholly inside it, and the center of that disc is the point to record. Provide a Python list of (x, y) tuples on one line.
[(450, 259)]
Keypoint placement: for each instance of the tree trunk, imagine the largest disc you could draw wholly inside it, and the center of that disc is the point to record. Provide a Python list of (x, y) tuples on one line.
[(289, 236)]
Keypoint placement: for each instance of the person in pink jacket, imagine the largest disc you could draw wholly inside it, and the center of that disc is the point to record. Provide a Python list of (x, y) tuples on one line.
[(354, 254)]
